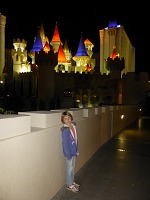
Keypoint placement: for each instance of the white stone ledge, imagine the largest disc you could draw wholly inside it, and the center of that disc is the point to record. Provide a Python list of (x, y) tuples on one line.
[(43, 119), (88, 112), (14, 125)]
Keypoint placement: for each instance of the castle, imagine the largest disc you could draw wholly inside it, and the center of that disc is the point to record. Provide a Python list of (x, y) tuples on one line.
[(54, 78)]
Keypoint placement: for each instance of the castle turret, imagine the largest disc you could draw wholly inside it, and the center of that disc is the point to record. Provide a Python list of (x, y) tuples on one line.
[(114, 64), (63, 64), (37, 46), (41, 42), (55, 42), (81, 57), (89, 46), (67, 52), (19, 56)]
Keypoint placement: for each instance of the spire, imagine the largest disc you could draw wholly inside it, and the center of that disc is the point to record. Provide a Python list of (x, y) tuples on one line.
[(55, 42), (38, 45), (81, 52), (42, 34), (61, 55), (67, 53), (66, 48), (46, 47), (81, 48), (81, 57), (56, 37)]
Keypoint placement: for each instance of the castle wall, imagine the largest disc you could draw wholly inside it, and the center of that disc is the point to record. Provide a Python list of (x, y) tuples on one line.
[(134, 87), (49, 87)]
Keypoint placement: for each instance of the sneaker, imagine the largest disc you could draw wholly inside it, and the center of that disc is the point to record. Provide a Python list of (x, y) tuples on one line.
[(76, 185), (73, 188)]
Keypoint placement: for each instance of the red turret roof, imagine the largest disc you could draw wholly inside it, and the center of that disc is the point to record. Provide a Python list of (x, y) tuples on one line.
[(87, 41), (114, 54), (56, 37), (61, 55)]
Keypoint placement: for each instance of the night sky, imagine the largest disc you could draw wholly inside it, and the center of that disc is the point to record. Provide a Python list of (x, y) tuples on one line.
[(22, 22)]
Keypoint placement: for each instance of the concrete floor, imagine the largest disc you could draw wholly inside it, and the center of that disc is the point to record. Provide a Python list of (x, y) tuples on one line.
[(120, 169)]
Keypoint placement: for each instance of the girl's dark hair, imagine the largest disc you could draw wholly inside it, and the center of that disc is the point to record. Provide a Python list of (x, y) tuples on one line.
[(66, 113)]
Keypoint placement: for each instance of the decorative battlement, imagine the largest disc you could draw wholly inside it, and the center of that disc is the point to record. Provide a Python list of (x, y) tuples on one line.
[(19, 44), (19, 56), (18, 40)]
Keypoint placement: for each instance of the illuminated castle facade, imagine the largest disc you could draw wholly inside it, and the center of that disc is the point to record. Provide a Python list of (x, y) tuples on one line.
[(54, 78)]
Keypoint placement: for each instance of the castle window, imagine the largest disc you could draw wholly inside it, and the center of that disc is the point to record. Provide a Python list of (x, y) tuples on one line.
[(22, 58), (17, 57), (61, 67)]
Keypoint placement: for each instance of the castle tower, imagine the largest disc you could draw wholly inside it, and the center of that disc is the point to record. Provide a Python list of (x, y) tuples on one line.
[(89, 49), (38, 43), (63, 64), (115, 35), (81, 57), (2, 44), (115, 65), (37, 46), (89, 46), (19, 56), (45, 75)]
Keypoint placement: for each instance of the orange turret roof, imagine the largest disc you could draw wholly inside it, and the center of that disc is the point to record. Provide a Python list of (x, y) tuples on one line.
[(56, 37), (61, 55), (87, 41)]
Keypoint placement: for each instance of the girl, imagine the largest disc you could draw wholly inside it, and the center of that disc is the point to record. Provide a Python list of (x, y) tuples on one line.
[(70, 149)]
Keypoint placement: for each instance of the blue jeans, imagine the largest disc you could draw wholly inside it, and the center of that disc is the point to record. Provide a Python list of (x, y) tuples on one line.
[(70, 165)]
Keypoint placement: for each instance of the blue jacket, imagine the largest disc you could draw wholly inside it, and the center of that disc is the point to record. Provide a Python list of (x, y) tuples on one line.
[(70, 146)]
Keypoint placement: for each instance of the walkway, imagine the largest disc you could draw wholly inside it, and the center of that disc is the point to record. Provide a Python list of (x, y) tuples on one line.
[(120, 170)]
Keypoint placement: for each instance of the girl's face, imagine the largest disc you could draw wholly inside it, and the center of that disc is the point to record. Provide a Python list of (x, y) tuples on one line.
[(67, 120)]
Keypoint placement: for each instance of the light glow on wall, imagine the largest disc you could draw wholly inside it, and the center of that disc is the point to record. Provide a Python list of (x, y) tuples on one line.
[(122, 116)]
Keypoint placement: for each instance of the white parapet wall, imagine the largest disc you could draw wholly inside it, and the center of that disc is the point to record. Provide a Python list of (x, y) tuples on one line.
[(32, 165)]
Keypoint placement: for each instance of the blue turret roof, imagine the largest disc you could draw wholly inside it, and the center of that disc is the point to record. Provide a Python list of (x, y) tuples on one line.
[(38, 46), (81, 48)]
